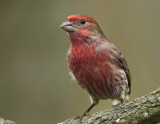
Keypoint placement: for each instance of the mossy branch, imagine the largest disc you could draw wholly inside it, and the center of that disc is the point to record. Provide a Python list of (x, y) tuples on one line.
[(144, 110)]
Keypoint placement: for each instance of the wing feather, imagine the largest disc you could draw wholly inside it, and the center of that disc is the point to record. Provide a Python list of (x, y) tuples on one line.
[(116, 58)]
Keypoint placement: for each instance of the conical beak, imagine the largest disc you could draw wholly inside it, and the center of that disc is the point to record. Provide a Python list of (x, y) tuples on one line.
[(67, 26)]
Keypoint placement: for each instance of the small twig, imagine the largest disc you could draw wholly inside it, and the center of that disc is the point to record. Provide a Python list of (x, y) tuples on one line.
[(3, 121)]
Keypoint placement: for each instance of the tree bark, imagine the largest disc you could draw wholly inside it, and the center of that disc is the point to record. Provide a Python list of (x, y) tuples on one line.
[(144, 110)]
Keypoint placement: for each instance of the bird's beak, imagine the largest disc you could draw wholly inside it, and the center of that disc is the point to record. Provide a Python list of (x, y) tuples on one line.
[(67, 26)]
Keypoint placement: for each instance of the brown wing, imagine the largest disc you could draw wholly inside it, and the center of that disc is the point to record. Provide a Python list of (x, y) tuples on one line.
[(117, 58), (124, 66)]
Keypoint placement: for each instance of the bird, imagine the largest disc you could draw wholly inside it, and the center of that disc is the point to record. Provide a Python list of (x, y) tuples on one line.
[(95, 62)]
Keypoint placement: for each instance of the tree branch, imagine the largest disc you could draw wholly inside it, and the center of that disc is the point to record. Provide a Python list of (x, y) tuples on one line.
[(144, 110)]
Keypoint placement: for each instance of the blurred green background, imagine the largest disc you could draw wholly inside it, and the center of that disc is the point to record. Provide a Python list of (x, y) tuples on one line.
[(35, 87)]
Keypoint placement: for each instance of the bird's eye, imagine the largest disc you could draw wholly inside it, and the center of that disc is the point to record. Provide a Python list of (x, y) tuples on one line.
[(82, 21)]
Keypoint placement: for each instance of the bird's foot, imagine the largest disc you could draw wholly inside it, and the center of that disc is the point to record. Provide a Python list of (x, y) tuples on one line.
[(81, 117), (115, 103)]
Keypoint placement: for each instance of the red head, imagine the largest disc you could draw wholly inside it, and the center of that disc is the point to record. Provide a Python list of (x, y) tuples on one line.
[(74, 18), (81, 26)]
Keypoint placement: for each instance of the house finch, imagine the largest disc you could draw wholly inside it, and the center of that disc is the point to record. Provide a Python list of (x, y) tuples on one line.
[(96, 63)]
